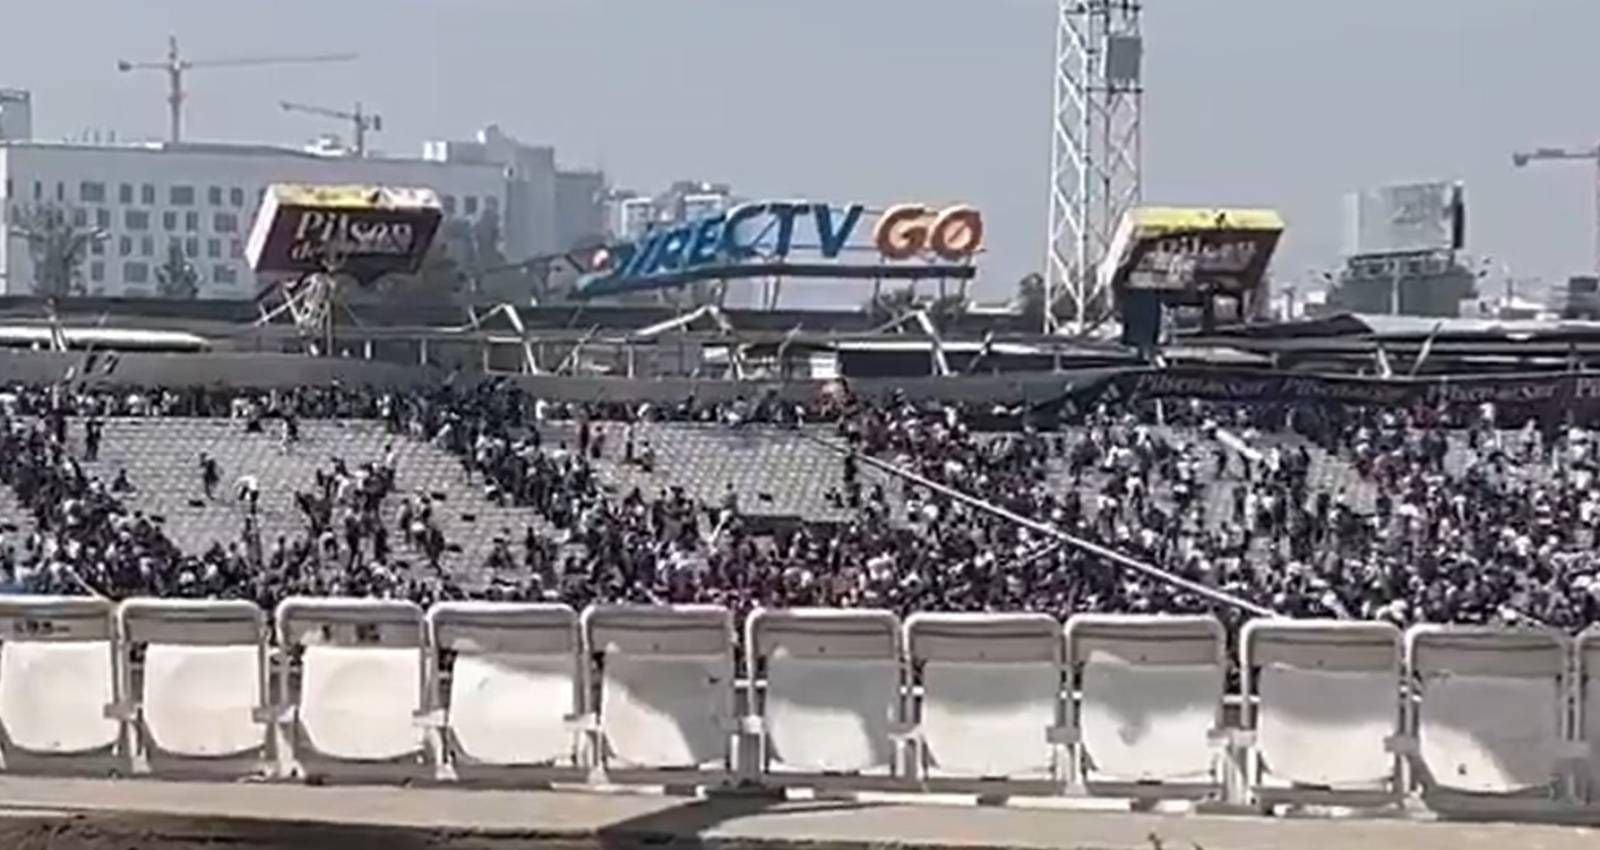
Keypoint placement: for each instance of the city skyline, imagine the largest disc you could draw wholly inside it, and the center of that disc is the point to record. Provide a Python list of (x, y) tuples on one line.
[(1249, 102)]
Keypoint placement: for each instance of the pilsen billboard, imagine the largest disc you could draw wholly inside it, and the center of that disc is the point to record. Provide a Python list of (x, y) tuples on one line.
[(364, 231), (799, 239), (1186, 251)]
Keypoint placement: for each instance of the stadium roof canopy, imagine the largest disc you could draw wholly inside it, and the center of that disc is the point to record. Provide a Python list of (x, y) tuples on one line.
[(1386, 327)]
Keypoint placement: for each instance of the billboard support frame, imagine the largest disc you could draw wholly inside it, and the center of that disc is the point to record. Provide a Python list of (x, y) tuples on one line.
[(1096, 151)]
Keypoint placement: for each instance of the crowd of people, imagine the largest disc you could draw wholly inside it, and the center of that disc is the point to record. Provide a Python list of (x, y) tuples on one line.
[(1436, 515)]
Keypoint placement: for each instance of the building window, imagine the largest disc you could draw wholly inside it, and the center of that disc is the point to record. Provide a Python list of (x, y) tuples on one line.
[(236, 195), (136, 219), (214, 196), (169, 221), (97, 271), (225, 222), (191, 222), (38, 191), (491, 204), (125, 193), (225, 275), (102, 218), (235, 249), (125, 246), (80, 217), (61, 191), (147, 194), (469, 205), (449, 202), (92, 192), (181, 196), (134, 272), (147, 246), (191, 247), (213, 248), (98, 247)]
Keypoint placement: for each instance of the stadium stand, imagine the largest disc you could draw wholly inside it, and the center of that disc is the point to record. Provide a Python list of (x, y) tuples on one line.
[(827, 625)]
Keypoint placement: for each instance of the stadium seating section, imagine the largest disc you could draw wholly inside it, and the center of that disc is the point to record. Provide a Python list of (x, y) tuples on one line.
[(775, 474), (162, 459), (1466, 720)]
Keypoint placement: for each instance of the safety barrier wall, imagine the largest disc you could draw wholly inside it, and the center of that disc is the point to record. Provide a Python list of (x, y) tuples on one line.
[(1465, 720)]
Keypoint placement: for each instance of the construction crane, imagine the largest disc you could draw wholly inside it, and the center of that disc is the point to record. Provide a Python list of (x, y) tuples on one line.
[(360, 122), (1588, 154), (175, 66)]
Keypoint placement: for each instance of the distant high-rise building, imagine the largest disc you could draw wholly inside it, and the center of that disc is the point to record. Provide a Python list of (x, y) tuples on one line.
[(580, 209), (630, 215), (547, 209)]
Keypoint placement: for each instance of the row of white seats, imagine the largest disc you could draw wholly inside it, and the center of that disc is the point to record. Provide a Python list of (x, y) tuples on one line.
[(1133, 706)]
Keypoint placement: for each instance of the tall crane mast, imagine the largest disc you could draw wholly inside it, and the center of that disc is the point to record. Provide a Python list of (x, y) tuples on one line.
[(175, 66), (1586, 154), (361, 122)]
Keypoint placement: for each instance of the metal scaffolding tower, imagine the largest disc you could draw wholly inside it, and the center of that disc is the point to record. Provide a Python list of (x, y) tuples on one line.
[(1094, 151)]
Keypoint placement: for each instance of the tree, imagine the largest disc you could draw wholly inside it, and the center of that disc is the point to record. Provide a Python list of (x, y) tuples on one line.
[(56, 246), (176, 278)]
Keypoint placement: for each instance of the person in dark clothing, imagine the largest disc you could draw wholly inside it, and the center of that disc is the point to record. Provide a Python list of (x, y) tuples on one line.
[(209, 475), (91, 439)]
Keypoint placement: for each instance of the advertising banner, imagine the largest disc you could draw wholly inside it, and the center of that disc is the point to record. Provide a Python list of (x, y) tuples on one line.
[(1546, 396), (1407, 218), (365, 231), (1188, 250), (795, 239)]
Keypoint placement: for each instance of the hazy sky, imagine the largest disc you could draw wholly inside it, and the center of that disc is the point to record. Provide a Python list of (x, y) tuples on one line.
[(1284, 103)]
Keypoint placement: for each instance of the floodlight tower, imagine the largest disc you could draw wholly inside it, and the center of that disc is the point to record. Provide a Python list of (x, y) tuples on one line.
[(1094, 149)]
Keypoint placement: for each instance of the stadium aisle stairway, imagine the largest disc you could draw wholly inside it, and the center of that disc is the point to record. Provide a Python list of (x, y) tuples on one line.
[(162, 458)]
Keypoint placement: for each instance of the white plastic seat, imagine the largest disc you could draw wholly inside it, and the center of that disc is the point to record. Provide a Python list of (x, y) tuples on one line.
[(359, 703), (1328, 703), (53, 695), (201, 701), (1588, 651), (202, 685), (1149, 700), (515, 685), (1490, 715), (832, 700), (991, 693), (57, 680), (360, 680), (666, 686)]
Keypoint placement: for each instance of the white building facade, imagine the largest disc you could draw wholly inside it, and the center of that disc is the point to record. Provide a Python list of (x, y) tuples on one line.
[(145, 199)]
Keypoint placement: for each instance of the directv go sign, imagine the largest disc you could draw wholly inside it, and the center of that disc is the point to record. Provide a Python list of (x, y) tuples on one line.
[(910, 241)]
